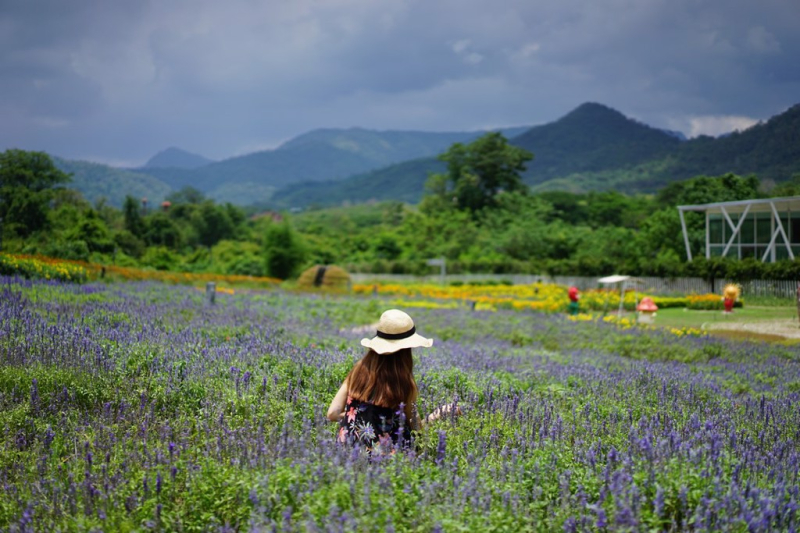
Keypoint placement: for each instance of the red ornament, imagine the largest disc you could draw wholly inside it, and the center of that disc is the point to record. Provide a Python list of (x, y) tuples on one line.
[(573, 294)]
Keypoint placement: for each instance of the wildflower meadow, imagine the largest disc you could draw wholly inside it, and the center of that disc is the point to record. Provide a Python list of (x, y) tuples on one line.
[(140, 406)]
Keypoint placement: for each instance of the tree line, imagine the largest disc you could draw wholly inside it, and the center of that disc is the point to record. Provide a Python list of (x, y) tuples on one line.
[(478, 214)]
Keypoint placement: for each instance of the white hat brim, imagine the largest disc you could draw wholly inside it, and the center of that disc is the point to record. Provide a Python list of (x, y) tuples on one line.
[(384, 346)]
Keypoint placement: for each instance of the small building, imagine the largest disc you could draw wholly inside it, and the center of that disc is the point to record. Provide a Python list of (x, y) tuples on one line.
[(766, 229)]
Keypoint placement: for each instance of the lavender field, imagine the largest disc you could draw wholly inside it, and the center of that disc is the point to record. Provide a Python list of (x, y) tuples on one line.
[(139, 407)]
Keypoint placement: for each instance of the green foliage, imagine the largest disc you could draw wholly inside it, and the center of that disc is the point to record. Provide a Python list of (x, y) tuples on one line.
[(242, 258), (33, 171), (283, 250), (133, 217), (187, 195), (788, 188), (24, 211), (160, 258), (27, 180), (162, 231), (212, 223), (705, 189), (478, 171), (91, 230), (129, 243), (65, 249)]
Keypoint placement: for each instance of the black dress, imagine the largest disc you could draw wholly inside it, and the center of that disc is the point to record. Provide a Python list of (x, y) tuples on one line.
[(378, 429)]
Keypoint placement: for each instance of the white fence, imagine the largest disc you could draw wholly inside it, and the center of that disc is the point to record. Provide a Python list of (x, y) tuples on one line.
[(664, 286)]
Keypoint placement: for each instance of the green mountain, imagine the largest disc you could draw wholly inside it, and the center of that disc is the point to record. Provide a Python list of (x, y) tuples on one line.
[(381, 148), (96, 181), (593, 148), (770, 150), (591, 138), (176, 158), (403, 182)]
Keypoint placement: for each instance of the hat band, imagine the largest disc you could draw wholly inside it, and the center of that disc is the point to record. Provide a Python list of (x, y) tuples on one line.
[(397, 336)]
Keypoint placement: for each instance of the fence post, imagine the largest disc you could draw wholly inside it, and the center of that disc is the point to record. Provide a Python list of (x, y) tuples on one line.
[(211, 292)]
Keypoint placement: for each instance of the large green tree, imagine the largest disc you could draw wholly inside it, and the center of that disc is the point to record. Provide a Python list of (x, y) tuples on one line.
[(284, 251), (707, 189), (212, 223), (478, 171), (26, 188), (134, 222)]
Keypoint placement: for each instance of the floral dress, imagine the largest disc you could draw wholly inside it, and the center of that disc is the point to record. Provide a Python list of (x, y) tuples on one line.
[(376, 428)]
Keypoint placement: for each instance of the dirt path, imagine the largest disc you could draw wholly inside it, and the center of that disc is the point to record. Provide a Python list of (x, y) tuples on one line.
[(783, 327)]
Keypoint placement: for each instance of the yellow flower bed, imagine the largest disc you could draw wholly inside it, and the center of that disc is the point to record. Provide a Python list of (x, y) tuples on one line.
[(422, 304), (549, 298), (539, 297), (709, 302), (41, 268), (627, 323), (80, 271)]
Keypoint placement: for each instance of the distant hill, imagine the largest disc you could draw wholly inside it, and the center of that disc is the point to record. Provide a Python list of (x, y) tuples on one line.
[(593, 147), (320, 155), (770, 150), (176, 158), (381, 148), (97, 181), (403, 182), (591, 138)]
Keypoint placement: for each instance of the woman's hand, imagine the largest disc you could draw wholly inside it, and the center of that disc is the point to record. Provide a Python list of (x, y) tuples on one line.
[(444, 410)]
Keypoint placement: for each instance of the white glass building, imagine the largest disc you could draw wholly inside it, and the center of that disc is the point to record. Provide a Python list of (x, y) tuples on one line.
[(768, 229)]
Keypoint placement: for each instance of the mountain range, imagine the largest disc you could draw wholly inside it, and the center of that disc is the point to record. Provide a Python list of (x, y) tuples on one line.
[(593, 147)]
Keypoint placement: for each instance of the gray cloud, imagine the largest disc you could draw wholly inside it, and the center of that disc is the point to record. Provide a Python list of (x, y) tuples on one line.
[(122, 80)]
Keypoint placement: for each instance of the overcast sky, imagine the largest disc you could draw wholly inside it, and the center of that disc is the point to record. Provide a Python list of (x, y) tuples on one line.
[(117, 81)]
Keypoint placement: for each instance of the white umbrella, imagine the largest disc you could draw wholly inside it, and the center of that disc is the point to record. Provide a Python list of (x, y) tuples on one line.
[(623, 281)]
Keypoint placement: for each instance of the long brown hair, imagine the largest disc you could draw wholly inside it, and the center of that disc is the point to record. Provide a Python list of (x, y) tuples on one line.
[(385, 380)]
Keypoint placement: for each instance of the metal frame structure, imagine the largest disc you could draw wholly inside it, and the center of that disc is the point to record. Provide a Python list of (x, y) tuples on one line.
[(742, 208)]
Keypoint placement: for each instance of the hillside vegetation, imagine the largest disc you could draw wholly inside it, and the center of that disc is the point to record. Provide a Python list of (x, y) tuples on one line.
[(592, 148), (96, 181), (595, 148), (477, 214)]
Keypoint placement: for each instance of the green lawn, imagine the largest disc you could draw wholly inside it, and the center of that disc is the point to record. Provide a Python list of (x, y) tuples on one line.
[(696, 319)]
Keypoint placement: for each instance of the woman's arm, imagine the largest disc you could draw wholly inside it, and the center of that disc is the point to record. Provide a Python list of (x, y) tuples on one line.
[(336, 409)]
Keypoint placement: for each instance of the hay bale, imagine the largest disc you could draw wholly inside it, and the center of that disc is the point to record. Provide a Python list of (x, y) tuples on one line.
[(324, 277)]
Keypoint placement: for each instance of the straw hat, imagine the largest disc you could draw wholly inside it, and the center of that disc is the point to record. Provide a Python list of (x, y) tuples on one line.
[(396, 331)]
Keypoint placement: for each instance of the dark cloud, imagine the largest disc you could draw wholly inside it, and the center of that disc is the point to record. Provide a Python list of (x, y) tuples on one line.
[(122, 80)]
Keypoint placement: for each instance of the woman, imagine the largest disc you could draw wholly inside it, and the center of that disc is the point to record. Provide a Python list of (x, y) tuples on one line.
[(376, 404)]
